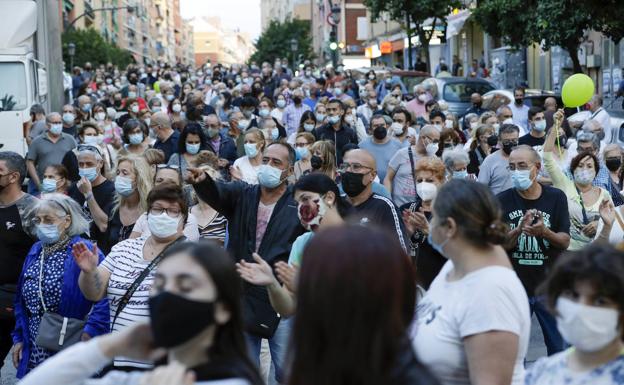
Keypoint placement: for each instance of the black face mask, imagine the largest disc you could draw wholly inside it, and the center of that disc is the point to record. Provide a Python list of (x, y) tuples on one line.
[(477, 105), (380, 132), (519, 100), (492, 141), (316, 162), (297, 100), (508, 147), (563, 141), (352, 183), (175, 319), (613, 164)]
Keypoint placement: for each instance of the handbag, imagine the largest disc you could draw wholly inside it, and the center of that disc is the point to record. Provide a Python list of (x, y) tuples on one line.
[(7, 301), (55, 331), (259, 316)]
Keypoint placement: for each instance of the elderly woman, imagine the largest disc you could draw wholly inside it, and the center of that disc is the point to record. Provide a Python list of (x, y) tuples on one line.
[(456, 163), (429, 174), (134, 260), (48, 286)]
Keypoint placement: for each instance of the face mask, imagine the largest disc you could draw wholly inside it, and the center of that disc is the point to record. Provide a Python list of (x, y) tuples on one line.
[(92, 140), (448, 123), (349, 119), (390, 107), (540, 126), (426, 191), (438, 127), (338, 91), (492, 140), (584, 177), (521, 179), (422, 98), (264, 112), (132, 95), (380, 132), (123, 186), (302, 152), (613, 164), (563, 141), (333, 119), (48, 234), (519, 100), (176, 108), (136, 138), (372, 103), (56, 129), (352, 183), (371, 77), (308, 126), (496, 127), (281, 103), (397, 128), (134, 109), (109, 81), (297, 100), (251, 150), (68, 118), (363, 93), (162, 226), (169, 97), (508, 121), (508, 147), (192, 148), (269, 176), (48, 185), (100, 116), (247, 113), (275, 134), (432, 149), (319, 117), (460, 174), (89, 173), (86, 107), (243, 124), (156, 109), (175, 320), (311, 215), (316, 162), (437, 247), (587, 328)]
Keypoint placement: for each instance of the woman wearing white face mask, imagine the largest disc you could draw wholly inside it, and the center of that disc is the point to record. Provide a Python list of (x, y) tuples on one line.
[(307, 123), (280, 104), (192, 141), (585, 290), (175, 110), (127, 274), (429, 176), (246, 167), (473, 323), (303, 144), (55, 180)]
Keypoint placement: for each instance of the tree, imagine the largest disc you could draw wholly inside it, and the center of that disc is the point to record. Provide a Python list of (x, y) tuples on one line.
[(415, 12), (275, 41), (551, 22), (91, 47)]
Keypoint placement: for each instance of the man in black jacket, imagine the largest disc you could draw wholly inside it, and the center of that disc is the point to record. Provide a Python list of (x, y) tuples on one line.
[(336, 130), (261, 219)]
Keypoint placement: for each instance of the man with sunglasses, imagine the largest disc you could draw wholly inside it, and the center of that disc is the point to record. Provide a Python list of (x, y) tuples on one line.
[(94, 192), (493, 171)]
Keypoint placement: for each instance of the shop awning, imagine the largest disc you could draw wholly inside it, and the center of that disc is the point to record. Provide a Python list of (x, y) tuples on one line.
[(456, 22)]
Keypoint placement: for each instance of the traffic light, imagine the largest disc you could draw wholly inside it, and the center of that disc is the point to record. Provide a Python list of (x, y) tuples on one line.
[(333, 43)]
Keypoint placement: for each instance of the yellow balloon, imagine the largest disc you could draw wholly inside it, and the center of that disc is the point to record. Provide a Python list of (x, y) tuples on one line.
[(577, 90)]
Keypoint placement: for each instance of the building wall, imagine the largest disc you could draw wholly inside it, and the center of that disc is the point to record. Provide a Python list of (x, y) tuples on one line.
[(278, 10), (220, 45)]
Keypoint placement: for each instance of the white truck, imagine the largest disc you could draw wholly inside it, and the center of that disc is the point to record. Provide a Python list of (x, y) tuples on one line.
[(26, 52)]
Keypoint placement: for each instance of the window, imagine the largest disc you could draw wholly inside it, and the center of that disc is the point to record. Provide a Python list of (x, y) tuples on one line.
[(13, 91), (460, 92)]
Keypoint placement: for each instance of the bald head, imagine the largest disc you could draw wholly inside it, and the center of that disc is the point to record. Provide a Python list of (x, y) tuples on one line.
[(475, 99), (362, 157), (550, 104), (161, 119)]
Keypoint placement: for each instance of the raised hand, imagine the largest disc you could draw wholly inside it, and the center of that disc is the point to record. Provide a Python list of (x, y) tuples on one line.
[(236, 173), (86, 259), (259, 273), (195, 175), (607, 212)]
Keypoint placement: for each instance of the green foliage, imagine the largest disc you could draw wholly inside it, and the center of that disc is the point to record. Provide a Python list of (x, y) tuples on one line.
[(91, 47), (7, 103), (407, 12), (275, 41)]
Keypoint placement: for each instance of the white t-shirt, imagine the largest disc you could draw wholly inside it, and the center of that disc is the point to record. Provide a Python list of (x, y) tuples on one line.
[(489, 299), (191, 228), (248, 171)]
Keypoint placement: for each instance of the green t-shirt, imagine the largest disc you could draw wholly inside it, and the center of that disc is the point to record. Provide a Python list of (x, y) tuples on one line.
[(296, 252)]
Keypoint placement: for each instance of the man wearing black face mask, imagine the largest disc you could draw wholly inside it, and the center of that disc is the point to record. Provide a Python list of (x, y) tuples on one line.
[(358, 172), (520, 111), (381, 145), (493, 171), (476, 108)]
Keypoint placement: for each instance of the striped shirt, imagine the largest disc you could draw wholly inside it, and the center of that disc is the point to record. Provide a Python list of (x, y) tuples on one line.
[(125, 263)]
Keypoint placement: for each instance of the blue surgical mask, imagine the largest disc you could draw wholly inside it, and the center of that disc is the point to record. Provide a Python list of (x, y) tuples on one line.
[(540, 126), (275, 134), (308, 127), (132, 95), (123, 186), (460, 174), (136, 138), (251, 150), (281, 103), (48, 234), (48, 185), (269, 176), (264, 112), (90, 140), (56, 129), (68, 118), (521, 179), (192, 148), (302, 152), (86, 107), (333, 119), (319, 117), (437, 247), (89, 173)]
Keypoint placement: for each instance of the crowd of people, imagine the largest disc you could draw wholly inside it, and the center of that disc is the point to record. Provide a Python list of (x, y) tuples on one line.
[(176, 217)]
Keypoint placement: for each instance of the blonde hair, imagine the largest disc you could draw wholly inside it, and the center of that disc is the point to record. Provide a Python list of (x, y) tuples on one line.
[(328, 152), (480, 130), (143, 178), (259, 137)]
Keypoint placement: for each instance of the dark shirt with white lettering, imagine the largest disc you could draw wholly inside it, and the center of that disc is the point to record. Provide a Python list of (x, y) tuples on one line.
[(15, 242)]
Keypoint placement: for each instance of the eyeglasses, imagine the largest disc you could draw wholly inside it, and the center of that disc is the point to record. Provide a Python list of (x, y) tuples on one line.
[(88, 147), (170, 166), (173, 212), (301, 144), (46, 221), (353, 167), (434, 141), (519, 166)]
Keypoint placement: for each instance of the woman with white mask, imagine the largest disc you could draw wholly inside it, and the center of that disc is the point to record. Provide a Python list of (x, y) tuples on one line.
[(585, 290), (127, 273), (246, 167)]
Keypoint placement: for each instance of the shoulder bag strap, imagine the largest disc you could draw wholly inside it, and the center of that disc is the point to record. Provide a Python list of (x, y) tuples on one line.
[(585, 221), (411, 158), (135, 285), (45, 310)]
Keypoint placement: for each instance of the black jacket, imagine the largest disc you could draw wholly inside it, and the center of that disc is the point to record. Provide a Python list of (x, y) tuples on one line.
[(340, 138)]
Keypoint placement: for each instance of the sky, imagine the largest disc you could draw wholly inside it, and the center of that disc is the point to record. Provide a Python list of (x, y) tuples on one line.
[(242, 14)]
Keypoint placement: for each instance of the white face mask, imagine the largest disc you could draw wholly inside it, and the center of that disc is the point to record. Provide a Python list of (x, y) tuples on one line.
[(448, 123), (587, 328), (431, 149), (508, 121), (162, 226), (397, 128), (426, 191)]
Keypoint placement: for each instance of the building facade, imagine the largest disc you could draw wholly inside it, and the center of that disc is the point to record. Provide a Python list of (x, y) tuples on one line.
[(213, 43)]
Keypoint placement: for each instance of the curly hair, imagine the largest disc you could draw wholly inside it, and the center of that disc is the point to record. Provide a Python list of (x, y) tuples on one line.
[(432, 164)]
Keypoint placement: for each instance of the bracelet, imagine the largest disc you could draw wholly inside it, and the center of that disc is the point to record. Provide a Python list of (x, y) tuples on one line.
[(88, 196)]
